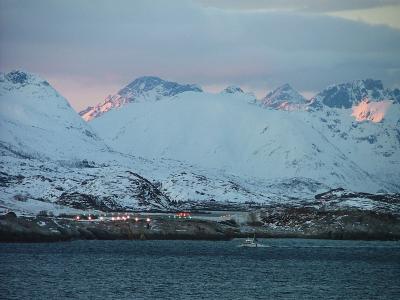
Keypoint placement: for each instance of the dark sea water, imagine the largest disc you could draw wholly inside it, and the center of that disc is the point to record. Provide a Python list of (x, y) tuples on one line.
[(289, 269)]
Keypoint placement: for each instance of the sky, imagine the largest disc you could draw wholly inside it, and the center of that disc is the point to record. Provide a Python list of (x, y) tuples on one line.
[(90, 49)]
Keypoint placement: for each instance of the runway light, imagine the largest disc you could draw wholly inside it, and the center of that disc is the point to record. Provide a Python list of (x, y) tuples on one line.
[(77, 217), (112, 218), (148, 220), (136, 219)]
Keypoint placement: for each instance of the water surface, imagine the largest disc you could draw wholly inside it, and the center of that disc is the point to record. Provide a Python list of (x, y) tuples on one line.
[(289, 269)]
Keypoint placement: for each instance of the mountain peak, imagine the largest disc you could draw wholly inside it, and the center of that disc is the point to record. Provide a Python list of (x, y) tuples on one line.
[(348, 94), (370, 83), (285, 87), (145, 88), (283, 97), (144, 84), (21, 77), (232, 89), (38, 122)]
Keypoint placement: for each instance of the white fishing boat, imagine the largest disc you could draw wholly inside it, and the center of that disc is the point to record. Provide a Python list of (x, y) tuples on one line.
[(251, 243)]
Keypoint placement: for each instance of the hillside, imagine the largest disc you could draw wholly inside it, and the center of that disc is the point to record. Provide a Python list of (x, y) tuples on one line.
[(228, 132)]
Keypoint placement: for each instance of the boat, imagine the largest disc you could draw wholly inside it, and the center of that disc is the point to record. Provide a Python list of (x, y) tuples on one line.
[(251, 243)]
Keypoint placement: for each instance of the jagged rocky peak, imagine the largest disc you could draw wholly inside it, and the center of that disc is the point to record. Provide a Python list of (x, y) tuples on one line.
[(283, 97), (145, 84), (21, 78), (346, 95), (146, 88), (232, 89)]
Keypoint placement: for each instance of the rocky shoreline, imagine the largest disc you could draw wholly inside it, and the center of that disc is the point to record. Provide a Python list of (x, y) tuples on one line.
[(53, 229), (273, 222)]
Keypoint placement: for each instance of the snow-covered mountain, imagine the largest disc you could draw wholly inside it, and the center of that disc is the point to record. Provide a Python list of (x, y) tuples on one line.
[(349, 94), (147, 88), (285, 98), (210, 130), (36, 121), (52, 160), (49, 156), (199, 149)]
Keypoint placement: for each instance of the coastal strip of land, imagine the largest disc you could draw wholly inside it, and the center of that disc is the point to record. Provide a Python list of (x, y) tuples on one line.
[(276, 222)]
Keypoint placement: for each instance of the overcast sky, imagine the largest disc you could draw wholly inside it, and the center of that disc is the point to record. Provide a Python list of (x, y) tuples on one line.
[(90, 49)]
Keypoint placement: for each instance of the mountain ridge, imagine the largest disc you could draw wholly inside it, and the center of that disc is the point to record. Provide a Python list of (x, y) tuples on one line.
[(193, 150), (213, 131), (145, 88), (349, 94), (285, 97)]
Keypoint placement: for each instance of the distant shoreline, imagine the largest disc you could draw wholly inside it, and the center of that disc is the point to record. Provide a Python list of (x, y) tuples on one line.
[(54, 229)]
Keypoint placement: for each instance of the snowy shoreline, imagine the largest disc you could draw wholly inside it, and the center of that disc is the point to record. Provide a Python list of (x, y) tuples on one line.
[(275, 222)]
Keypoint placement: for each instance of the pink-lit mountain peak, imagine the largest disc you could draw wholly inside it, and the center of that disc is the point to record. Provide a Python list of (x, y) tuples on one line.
[(146, 88), (284, 97)]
